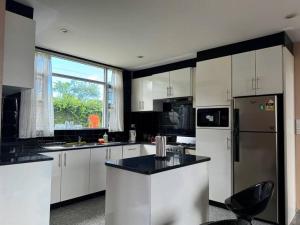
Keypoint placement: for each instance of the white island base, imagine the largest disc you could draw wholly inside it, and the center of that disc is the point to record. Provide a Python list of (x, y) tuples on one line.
[(177, 196)]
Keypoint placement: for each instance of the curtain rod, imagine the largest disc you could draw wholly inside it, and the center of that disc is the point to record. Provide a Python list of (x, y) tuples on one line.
[(77, 58)]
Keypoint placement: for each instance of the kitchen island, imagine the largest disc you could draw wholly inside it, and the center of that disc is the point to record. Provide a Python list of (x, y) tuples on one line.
[(149, 191)]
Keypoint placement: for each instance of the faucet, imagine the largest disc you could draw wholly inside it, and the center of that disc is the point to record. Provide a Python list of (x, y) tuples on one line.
[(79, 139)]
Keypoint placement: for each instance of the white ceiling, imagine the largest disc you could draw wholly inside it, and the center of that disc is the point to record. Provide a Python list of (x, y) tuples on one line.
[(117, 31)]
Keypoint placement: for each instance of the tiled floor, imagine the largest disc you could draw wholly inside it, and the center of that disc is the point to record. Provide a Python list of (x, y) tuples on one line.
[(296, 220), (91, 212)]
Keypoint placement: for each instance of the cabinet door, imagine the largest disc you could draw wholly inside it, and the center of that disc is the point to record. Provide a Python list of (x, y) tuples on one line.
[(97, 170), (115, 153), (75, 174), (130, 151), (148, 149), (56, 175), (243, 74), (180, 83), (19, 48), (160, 85), (269, 71), (213, 82), (136, 95), (216, 144), (147, 100)]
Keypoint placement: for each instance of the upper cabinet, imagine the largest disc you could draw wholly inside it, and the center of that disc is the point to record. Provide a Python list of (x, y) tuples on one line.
[(269, 69), (141, 96), (19, 48), (173, 84), (213, 82), (257, 72), (180, 83), (161, 85), (243, 74)]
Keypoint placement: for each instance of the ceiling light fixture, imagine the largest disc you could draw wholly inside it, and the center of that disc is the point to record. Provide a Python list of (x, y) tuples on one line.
[(290, 16), (64, 30), (140, 56)]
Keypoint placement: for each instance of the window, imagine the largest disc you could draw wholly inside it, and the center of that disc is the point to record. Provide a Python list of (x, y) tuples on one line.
[(79, 94)]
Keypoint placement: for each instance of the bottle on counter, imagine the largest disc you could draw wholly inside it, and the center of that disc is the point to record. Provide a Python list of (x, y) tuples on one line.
[(105, 137)]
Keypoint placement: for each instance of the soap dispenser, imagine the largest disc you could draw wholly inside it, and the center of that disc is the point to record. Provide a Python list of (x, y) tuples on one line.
[(105, 137)]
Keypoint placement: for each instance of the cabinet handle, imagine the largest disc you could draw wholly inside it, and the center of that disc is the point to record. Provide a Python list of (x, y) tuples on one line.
[(257, 83), (143, 105), (131, 149), (65, 159), (171, 91), (59, 160), (228, 143), (253, 84), (139, 105), (167, 91)]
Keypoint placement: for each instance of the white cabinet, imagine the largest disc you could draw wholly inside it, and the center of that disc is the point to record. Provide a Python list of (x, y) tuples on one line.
[(173, 84), (148, 149), (243, 74), (115, 153), (130, 151), (180, 83), (161, 85), (258, 72), (213, 82), (216, 144), (56, 175), (97, 170), (141, 97), (19, 48), (75, 174), (269, 70)]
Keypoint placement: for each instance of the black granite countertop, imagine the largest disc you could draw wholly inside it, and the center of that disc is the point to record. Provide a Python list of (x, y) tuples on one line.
[(17, 158), (150, 164)]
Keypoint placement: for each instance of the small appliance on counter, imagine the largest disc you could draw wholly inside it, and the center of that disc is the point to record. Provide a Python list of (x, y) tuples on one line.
[(132, 134), (161, 151)]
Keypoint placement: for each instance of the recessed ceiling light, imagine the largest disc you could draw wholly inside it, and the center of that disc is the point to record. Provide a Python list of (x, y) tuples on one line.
[(291, 16), (64, 30), (140, 56)]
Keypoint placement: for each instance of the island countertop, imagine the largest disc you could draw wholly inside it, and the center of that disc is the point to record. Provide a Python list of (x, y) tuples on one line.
[(149, 164)]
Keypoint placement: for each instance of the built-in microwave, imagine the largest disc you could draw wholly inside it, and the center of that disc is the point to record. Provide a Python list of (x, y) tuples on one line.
[(213, 117)]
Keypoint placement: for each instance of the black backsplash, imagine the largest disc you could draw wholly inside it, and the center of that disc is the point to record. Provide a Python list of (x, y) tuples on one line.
[(146, 124), (10, 117)]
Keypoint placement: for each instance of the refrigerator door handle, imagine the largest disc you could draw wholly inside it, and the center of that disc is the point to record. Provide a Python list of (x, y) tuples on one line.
[(236, 136)]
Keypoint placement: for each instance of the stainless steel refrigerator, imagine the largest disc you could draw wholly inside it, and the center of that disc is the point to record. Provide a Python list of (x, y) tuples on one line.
[(257, 140)]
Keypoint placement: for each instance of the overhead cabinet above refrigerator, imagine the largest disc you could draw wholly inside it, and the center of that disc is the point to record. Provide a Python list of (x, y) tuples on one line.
[(258, 72)]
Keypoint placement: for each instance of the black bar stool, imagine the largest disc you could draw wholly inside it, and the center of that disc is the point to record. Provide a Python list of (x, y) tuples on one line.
[(248, 203)]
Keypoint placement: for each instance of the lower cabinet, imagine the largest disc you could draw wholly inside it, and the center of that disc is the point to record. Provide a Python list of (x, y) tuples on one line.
[(216, 144), (70, 174), (114, 153), (131, 151), (56, 175), (75, 174), (148, 149), (97, 170)]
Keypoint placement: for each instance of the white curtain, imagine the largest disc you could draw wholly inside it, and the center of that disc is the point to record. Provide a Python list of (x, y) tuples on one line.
[(116, 111), (36, 110)]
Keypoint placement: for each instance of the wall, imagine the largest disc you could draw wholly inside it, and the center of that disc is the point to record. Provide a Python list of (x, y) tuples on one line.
[(297, 114), (2, 16)]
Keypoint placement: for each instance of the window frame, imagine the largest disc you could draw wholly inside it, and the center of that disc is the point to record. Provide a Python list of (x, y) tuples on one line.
[(104, 83)]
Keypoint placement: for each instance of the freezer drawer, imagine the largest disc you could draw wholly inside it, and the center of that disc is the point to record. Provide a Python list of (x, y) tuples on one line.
[(257, 162), (256, 113)]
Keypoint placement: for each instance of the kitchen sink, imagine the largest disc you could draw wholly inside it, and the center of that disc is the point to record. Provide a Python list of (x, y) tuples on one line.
[(76, 145)]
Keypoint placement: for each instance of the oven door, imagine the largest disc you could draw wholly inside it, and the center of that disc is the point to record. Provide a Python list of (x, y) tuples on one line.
[(213, 117)]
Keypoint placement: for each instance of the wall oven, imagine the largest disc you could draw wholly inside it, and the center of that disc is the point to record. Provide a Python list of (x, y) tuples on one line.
[(214, 117)]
